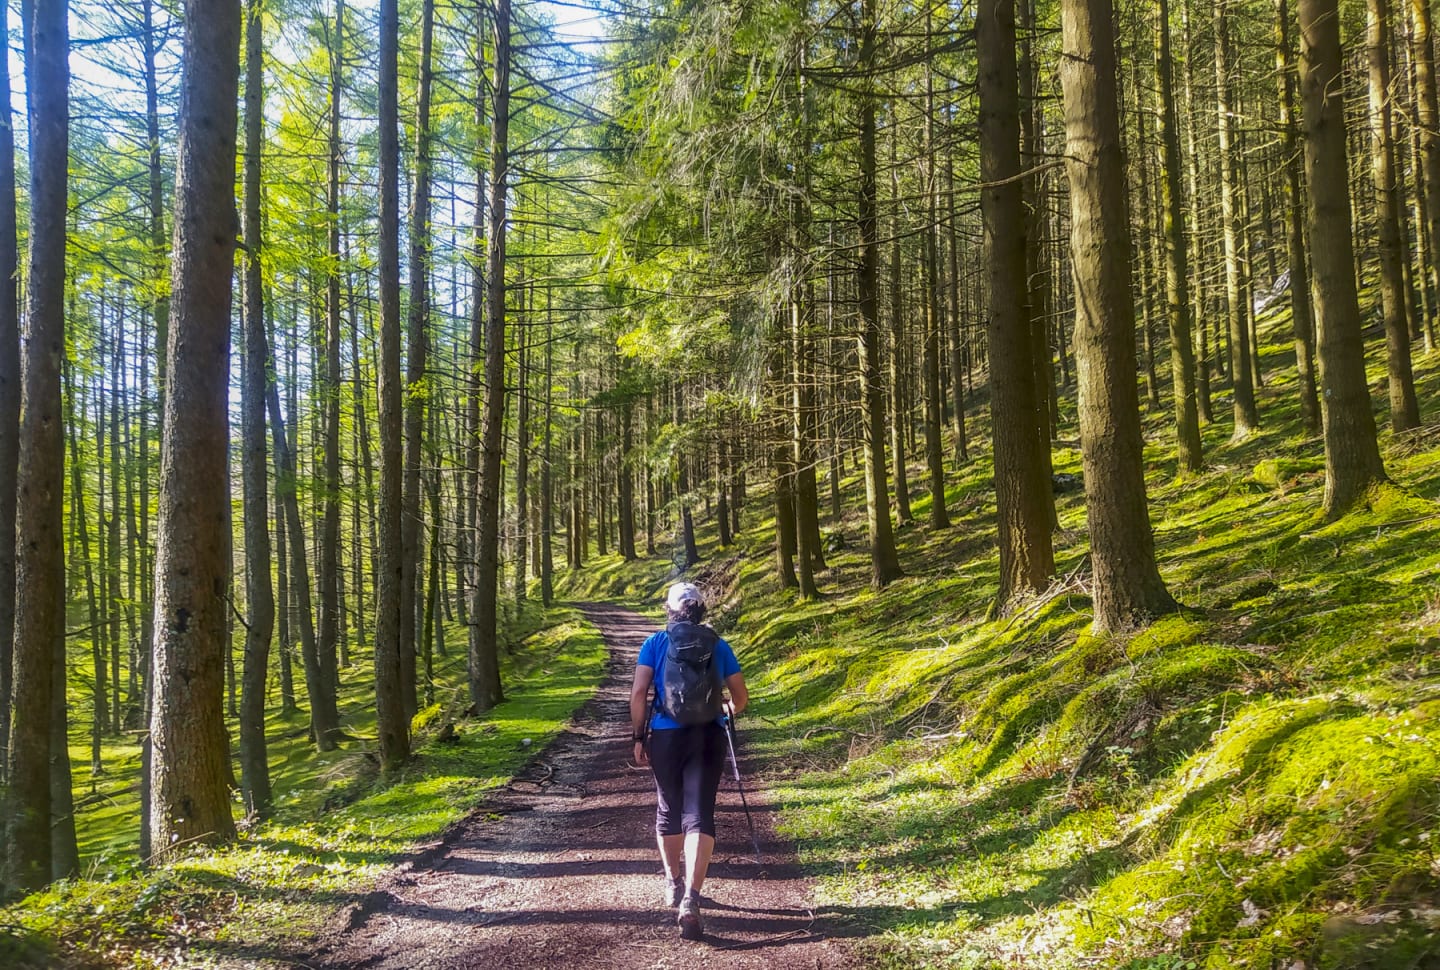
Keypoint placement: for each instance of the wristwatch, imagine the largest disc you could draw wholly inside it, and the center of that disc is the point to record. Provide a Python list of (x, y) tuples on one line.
[(638, 735)]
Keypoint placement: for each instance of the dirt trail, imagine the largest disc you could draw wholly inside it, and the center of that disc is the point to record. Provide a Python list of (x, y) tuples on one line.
[(560, 870)]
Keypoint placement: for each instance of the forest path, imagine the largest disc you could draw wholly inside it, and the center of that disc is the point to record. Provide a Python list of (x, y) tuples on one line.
[(559, 869)]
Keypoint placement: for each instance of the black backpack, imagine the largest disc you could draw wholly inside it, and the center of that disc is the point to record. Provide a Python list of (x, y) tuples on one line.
[(690, 693)]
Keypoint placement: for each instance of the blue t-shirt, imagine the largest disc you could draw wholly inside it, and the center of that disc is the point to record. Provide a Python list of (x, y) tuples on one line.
[(652, 655)]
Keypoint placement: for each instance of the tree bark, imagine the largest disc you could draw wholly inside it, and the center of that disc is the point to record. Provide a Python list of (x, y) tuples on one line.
[(1177, 260), (1197, 263), (39, 567), (1394, 294), (328, 390), (884, 563), (324, 715), (547, 487), (391, 723), (1352, 456), (899, 413), (259, 593), (1428, 122), (485, 687), (934, 403), (1128, 589), (1243, 392), (416, 390), (1022, 487), (190, 774), (1302, 313), (9, 393)]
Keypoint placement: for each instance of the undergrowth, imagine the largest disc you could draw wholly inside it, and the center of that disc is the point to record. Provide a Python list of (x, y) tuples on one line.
[(338, 824)]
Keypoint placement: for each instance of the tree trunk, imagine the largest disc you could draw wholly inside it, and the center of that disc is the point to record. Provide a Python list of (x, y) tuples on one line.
[(1128, 589), (934, 403), (412, 518), (40, 494), (1197, 278), (884, 563), (99, 704), (802, 434), (1177, 259), (1302, 314), (259, 594), (899, 413), (391, 723), (957, 336), (1352, 456), (191, 771), (485, 687), (328, 390), (547, 486), (1394, 294), (324, 715), (1022, 489), (112, 524), (9, 396), (1037, 266), (625, 475), (1428, 122), (1243, 393)]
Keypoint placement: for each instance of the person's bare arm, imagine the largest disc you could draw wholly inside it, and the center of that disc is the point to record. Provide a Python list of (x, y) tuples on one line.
[(640, 708), (739, 695)]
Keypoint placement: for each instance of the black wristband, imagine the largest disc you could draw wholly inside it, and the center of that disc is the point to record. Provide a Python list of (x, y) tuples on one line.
[(638, 735)]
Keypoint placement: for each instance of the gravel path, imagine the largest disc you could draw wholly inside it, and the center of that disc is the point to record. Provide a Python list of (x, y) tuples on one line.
[(560, 870)]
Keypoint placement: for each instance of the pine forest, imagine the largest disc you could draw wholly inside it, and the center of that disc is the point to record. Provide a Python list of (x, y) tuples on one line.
[(1042, 395)]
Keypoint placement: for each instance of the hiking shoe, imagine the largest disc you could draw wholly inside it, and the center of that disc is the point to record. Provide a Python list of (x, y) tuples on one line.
[(674, 892), (689, 918)]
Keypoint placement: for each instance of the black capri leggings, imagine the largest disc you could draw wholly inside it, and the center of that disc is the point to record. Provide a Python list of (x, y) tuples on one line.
[(687, 763)]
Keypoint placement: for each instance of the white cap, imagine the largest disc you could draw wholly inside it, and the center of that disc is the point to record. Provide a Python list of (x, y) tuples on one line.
[(681, 594)]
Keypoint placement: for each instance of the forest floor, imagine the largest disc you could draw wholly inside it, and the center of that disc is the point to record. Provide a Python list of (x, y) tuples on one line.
[(559, 869)]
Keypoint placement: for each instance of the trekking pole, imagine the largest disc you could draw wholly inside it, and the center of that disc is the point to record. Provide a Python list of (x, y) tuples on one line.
[(735, 764)]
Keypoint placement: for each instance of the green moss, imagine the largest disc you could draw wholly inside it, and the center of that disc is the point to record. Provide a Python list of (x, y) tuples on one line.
[(1247, 783), (286, 877)]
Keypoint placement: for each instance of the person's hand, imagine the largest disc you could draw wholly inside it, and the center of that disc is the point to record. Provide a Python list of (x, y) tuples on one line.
[(641, 758)]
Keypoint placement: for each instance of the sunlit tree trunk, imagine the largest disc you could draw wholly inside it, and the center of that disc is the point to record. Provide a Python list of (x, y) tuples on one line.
[(40, 569), (1022, 482), (391, 723), (899, 412), (1302, 313), (416, 384), (1394, 294), (259, 594), (884, 563), (1177, 258), (934, 403), (1128, 589), (485, 687), (1428, 122), (1352, 456), (1243, 392), (9, 392), (328, 389), (191, 770)]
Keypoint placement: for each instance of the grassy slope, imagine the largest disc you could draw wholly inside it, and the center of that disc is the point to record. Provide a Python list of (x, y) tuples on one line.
[(1257, 780), (337, 827)]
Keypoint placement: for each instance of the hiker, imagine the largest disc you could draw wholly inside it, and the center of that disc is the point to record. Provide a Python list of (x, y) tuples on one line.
[(687, 662)]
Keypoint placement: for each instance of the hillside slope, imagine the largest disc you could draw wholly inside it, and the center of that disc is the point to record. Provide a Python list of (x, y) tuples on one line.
[(1252, 783)]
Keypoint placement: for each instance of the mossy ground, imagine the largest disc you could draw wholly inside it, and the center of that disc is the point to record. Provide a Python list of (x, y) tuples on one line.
[(1252, 783), (338, 825)]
